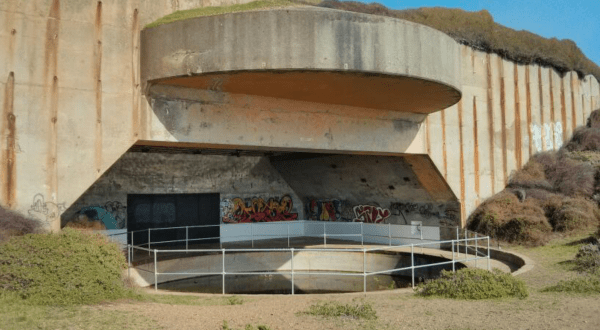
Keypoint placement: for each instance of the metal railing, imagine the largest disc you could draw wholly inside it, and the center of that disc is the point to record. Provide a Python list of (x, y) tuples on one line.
[(468, 242)]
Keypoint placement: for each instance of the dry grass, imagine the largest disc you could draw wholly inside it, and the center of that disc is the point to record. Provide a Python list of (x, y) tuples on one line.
[(81, 221), (575, 214), (13, 224)]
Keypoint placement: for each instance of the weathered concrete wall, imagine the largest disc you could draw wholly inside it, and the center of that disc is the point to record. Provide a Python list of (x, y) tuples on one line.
[(508, 112), (71, 106), (155, 173)]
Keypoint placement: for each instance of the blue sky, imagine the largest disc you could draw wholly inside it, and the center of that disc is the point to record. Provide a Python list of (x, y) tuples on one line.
[(578, 20)]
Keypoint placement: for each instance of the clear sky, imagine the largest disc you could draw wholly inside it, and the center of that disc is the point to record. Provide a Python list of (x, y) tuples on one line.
[(578, 20)]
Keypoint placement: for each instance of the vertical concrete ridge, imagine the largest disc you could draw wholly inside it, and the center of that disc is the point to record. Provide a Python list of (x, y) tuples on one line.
[(542, 119), (490, 109), (135, 75), (503, 116), (528, 105), (475, 150), (97, 62), (463, 212), (51, 73), (444, 153), (518, 138), (428, 135), (573, 110), (9, 130), (563, 108), (552, 109)]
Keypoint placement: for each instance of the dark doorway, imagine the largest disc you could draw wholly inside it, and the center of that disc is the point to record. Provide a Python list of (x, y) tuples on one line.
[(173, 210)]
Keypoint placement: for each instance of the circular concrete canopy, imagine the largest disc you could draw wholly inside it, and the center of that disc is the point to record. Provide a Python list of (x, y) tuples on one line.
[(308, 54)]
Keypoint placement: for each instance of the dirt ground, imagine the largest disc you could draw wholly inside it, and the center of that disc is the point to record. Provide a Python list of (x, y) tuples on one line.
[(396, 309)]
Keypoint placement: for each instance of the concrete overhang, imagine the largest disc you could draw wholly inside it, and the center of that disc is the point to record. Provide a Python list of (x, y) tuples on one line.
[(308, 54)]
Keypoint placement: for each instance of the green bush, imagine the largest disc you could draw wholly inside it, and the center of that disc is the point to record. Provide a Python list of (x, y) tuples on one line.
[(68, 268), (582, 285), (335, 309), (473, 283), (587, 259)]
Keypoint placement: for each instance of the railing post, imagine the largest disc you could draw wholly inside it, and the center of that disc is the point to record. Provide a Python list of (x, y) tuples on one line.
[(148, 241), (453, 262), (364, 270), (390, 234), (186, 238), (466, 244), (488, 256), (223, 271), (288, 230), (252, 232), (412, 263), (155, 272), (325, 233), (129, 260), (220, 236), (362, 235), (292, 267), (476, 254)]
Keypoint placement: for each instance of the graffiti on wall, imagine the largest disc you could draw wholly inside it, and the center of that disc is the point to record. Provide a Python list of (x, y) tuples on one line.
[(370, 214), (113, 214), (256, 209), (45, 212), (447, 213), (324, 210)]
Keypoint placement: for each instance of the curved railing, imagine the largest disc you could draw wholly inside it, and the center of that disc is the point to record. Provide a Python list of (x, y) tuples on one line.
[(463, 245)]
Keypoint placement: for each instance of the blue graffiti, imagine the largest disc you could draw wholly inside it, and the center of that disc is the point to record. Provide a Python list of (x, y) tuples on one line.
[(100, 214)]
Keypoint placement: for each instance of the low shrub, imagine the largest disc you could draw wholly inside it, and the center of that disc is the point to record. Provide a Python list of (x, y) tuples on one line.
[(587, 259), (504, 217), (584, 139), (67, 268), (593, 120), (532, 175), (572, 214), (363, 310), (473, 283), (13, 224), (581, 285), (572, 178)]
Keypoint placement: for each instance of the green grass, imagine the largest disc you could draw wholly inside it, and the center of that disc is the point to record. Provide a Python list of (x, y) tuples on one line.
[(14, 314), (190, 300), (363, 310), (211, 11), (474, 284), (247, 327), (587, 285)]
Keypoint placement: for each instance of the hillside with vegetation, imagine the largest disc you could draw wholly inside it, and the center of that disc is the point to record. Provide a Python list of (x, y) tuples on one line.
[(474, 29)]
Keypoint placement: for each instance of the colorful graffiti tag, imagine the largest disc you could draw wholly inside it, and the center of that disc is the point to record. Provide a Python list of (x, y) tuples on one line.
[(238, 210), (324, 210), (113, 214), (370, 214)]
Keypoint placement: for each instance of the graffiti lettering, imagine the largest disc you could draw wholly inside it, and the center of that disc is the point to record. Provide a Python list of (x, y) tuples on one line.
[(324, 210), (370, 214), (256, 209), (45, 212)]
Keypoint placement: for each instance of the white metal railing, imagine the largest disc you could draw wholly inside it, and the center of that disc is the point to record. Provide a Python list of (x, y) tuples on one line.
[(469, 242)]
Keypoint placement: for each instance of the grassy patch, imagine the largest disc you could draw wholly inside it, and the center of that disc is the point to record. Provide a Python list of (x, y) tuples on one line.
[(582, 285), (247, 327), (211, 11), (14, 314), (190, 300), (475, 284), (363, 310), (69, 268)]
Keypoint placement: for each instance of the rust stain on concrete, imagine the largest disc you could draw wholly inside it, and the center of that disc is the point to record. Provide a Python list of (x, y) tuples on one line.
[(9, 130), (475, 147), (50, 72), (135, 54), (490, 109), (462, 166), (444, 153), (503, 115), (518, 138), (528, 97), (98, 89), (573, 110), (563, 108), (542, 120)]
